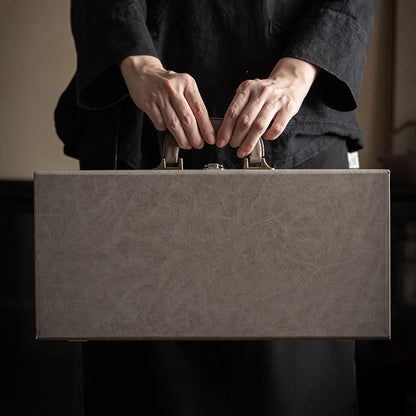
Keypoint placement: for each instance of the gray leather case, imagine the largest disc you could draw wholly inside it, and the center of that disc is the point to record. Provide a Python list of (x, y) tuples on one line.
[(212, 254)]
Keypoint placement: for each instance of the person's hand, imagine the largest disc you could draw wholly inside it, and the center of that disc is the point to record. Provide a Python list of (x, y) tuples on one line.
[(258, 102), (171, 100)]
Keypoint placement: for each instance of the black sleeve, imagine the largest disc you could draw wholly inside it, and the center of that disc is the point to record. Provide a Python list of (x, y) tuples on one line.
[(335, 35), (105, 32)]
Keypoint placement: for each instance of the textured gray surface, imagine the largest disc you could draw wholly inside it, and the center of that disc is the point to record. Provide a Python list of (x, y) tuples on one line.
[(212, 255)]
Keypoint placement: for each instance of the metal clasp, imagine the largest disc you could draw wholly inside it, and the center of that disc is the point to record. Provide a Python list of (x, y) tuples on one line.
[(214, 166), (263, 164)]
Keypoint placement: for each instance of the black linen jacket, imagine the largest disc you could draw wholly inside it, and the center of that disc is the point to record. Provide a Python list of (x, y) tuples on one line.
[(220, 43)]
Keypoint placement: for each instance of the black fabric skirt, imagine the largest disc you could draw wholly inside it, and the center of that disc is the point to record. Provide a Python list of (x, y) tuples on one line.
[(201, 378)]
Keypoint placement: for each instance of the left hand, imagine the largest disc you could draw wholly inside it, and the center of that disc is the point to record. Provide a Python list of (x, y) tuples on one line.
[(258, 102)]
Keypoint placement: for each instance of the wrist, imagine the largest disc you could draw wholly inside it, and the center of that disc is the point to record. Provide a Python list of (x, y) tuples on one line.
[(295, 70), (139, 64)]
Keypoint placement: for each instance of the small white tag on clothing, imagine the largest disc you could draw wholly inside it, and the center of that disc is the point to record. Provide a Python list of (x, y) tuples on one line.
[(353, 160)]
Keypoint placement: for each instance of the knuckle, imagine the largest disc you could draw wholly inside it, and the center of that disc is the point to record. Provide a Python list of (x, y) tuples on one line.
[(245, 86), (187, 120), (233, 112), (199, 109), (270, 107), (286, 101), (260, 124), (153, 96), (169, 85), (186, 78), (173, 124), (278, 93), (291, 106), (175, 95), (274, 97), (258, 101), (268, 89), (244, 122)]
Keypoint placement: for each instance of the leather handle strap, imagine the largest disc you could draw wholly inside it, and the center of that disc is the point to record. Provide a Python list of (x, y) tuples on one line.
[(171, 148)]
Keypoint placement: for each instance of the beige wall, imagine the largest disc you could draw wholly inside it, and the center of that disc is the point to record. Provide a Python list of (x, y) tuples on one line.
[(37, 61)]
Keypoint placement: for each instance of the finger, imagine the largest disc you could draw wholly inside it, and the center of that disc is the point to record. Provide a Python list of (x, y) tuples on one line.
[(280, 122), (188, 121), (259, 126), (174, 125), (232, 114), (200, 112), (245, 121), (156, 117), (245, 125)]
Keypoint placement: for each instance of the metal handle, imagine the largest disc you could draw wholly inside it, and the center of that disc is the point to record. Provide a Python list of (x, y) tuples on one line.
[(171, 160)]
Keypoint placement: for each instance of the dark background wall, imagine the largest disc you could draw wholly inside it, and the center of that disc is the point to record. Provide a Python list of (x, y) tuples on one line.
[(45, 377), (42, 378)]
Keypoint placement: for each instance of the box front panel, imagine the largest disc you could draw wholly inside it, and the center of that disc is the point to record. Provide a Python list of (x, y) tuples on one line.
[(212, 255)]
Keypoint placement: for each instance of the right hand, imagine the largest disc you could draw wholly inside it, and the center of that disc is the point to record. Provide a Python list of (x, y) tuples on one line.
[(171, 100)]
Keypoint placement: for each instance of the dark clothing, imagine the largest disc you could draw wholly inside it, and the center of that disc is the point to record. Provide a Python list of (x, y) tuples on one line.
[(221, 378), (230, 378), (220, 43)]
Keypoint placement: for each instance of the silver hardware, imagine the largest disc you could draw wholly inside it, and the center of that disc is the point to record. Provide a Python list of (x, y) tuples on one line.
[(214, 166)]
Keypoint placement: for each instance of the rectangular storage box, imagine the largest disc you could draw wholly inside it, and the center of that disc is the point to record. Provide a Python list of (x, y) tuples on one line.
[(203, 254)]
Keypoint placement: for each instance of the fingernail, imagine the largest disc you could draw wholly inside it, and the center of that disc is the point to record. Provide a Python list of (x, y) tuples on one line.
[(221, 143), (241, 153), (211, 139)]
